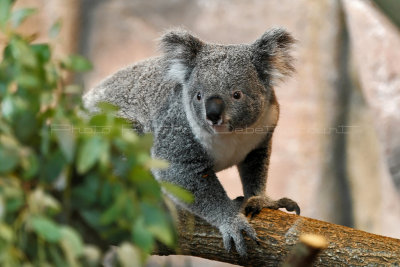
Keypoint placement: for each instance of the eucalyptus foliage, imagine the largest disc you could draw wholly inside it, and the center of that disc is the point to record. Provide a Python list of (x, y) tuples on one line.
[(71, 185)]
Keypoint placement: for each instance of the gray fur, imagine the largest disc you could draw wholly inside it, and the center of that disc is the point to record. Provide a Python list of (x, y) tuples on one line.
[(166, 96)]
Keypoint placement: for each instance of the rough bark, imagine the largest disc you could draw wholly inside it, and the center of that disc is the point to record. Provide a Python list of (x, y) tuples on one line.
[(306, 251), (279, 232)]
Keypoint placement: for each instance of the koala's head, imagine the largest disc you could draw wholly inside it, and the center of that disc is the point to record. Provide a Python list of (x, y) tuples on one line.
[(227, 87)]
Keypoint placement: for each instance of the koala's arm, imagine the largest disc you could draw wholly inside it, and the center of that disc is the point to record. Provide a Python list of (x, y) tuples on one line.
[(210, 202), (253, 169), (253, 174), (191, 168)]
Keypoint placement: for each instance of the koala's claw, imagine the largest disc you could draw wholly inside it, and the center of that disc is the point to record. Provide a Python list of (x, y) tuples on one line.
[(289, 205), (232, 231), (255, 204), (253, 210)]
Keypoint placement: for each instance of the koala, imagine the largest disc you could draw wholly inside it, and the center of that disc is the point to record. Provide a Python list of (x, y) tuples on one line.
[(209, 107)]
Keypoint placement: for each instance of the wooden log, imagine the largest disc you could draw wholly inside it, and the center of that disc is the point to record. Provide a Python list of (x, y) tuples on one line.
[(279, 232)]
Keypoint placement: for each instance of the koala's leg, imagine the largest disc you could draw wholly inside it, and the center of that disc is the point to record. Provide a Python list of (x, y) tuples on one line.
[(210, 202), (253, 173)]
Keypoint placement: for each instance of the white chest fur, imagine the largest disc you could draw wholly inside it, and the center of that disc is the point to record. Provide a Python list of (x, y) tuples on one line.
[(228, 149)]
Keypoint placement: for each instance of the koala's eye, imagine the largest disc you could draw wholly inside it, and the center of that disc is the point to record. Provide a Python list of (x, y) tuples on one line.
[(237, 95), (199, 96)]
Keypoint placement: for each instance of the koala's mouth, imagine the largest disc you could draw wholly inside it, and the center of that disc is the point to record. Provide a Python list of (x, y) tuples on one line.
[(219, 122), (220, 127)]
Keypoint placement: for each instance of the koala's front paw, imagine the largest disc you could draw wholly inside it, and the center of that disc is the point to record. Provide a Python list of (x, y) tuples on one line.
[(232, 230), (238, 202), (255, 204)]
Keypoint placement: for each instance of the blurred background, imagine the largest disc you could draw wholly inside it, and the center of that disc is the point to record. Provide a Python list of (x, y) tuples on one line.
[(336, 150)]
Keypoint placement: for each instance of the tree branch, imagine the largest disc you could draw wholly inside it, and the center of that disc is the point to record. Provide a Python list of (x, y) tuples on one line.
[(278, 233)]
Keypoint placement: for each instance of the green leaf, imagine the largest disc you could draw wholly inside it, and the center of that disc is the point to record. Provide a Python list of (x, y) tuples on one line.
[(9, 158), (110, 215), (52, 166), (46, 228), (106, 195), (8, 108), (156, 223), (55, 29), (114, 212), (18, 16), (13, 198), (65, 138), (45, 139), (25, 125), (98, 120), (30, 164), (2, 204), (56, 256), (42, 51), (6, 233), (46, 99), (11, 106), (39, 201), (141, 236), (14, 204), (85, 194), (90, 152), (5, 128), (144, 183), (129, 135), (178, 192), (156, 164), (72, 241), (76, 63), (92, 217), (107, 108), (3, 87), (28, 80), (146, 142), (22, 53)]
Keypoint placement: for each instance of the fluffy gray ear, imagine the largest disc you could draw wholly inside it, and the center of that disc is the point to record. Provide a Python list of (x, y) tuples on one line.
[(272, 57), (180, 48)]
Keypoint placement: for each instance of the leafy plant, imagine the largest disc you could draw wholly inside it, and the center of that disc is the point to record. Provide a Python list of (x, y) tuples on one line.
[(71, 185)]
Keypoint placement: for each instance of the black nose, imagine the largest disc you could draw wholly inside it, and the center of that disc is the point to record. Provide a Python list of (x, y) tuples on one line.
[(214, 108)]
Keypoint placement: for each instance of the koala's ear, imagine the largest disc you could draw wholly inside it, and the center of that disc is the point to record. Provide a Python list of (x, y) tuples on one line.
[(272, 57), (180, 49)]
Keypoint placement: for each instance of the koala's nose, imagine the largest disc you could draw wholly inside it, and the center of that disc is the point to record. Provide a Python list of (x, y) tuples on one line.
[(214, 108)]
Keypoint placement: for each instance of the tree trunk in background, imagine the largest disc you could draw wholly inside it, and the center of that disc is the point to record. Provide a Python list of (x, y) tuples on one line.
[(329, 73), (48, 12), (377, 56)]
